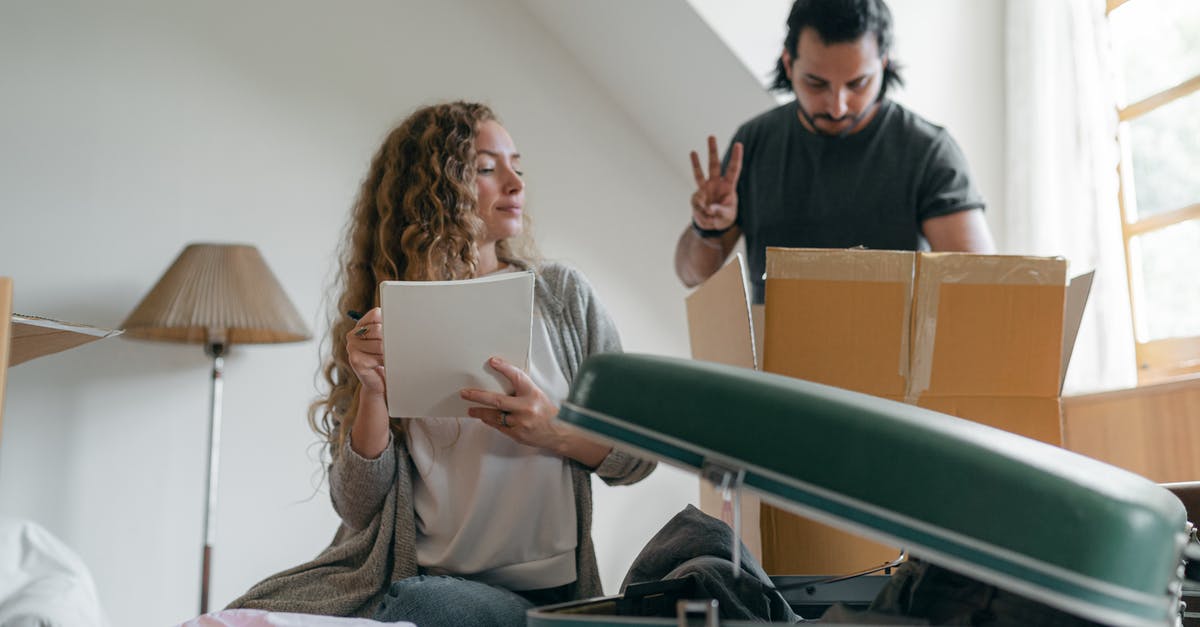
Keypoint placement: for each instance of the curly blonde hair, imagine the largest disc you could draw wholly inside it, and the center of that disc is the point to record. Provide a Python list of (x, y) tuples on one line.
[(415, 219)]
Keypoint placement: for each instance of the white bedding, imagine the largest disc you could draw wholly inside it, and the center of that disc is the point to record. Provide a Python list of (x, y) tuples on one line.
[(43, 583)]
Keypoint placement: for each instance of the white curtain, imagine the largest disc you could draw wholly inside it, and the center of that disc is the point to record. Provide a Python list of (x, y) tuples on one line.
[(1062, 159)]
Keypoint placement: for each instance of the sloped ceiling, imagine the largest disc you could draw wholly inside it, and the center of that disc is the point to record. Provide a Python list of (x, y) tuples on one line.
[(662, 64)]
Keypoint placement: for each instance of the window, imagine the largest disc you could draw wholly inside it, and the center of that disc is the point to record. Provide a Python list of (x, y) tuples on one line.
[(1156, 45)]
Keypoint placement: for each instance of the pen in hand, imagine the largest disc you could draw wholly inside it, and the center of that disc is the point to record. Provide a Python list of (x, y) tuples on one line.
[(356, 316)]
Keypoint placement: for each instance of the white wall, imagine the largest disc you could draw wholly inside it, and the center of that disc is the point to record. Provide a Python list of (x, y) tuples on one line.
[(953, 53), (131, 129), (754, 31), (671, 76)]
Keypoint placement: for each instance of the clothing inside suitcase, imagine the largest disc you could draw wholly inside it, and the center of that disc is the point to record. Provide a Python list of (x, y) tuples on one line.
[(697, 556), (1035, 520), (809, 596)]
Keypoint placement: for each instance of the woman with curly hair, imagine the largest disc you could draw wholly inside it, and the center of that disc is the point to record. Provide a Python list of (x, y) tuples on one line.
[(467, 521)]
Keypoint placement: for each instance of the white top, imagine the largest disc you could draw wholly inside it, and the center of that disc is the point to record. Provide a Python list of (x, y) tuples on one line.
[(488, 508)]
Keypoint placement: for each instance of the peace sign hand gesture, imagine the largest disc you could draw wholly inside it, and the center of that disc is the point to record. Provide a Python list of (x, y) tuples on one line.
[(714, 203)]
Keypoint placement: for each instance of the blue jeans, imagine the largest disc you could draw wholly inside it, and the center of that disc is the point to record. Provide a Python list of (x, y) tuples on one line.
[(440, 601)]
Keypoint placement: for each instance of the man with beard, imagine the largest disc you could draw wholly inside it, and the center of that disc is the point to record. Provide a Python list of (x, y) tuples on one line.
[(840, 166)]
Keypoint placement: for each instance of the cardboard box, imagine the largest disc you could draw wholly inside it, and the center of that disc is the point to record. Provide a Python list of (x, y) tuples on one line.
[(982, 337), (5, 325), (34, 336), (25, 337), (721, 329)]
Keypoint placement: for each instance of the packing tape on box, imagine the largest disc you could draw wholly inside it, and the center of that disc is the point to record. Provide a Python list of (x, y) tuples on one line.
[(933, 270), (849, 264)]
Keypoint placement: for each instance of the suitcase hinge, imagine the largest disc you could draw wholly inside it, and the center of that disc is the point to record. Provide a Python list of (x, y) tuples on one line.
[(708, 608), (729, 481)]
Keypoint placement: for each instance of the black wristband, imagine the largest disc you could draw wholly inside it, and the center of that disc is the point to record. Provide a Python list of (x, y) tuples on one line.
[(709, 233)]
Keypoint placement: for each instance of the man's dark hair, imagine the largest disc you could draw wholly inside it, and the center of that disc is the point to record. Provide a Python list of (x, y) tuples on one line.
[(840, 21)]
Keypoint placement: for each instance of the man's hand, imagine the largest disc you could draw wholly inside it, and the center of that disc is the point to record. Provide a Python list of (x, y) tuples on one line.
[(714, 203)]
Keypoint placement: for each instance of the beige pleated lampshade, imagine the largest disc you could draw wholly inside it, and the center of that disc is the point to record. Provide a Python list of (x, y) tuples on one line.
[(217, 293)]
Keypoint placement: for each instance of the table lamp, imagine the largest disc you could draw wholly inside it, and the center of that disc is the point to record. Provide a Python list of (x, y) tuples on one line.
[(216, 295)]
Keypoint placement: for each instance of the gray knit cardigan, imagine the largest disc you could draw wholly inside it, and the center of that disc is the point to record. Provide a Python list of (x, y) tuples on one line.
[(375, 546)]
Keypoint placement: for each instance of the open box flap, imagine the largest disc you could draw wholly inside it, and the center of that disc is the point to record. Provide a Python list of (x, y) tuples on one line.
[(5, 331), (34, 336), (719, 320), (1077, 295)]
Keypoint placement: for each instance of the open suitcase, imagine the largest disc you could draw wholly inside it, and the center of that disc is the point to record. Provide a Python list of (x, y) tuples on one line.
[(1035, 520)]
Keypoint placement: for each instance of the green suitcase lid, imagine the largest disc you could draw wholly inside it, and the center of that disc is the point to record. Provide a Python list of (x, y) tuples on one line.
[(1035, 519)]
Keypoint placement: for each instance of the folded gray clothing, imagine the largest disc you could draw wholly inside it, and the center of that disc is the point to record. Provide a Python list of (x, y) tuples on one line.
[(697, 546)]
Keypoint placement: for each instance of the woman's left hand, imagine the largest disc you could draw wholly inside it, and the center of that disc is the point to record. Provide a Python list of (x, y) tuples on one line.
[(527, 415)]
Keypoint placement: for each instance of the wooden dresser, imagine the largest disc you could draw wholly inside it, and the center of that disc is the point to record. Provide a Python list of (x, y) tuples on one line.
[(1153, 430)]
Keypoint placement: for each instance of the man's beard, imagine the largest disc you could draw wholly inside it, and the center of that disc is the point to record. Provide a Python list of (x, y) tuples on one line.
[(854, 122)]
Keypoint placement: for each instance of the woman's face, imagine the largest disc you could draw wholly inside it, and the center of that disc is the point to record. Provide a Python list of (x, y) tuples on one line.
[(498, 182)]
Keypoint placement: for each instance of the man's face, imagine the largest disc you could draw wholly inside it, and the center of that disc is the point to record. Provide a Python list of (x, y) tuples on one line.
[(836, 85)]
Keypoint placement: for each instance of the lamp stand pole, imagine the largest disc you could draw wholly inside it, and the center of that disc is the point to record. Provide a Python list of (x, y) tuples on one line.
[(216, 350)]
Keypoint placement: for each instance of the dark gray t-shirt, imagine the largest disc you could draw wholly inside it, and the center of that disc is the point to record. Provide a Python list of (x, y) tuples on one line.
[(873, 188)]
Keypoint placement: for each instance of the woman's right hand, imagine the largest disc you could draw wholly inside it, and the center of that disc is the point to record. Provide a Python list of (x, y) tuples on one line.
[(364, 347)]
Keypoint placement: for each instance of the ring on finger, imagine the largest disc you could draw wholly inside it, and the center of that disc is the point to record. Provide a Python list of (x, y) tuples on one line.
[(504, 419), (360, 331)]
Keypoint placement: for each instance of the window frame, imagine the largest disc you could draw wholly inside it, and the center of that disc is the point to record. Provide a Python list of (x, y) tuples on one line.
[(1168, 358)]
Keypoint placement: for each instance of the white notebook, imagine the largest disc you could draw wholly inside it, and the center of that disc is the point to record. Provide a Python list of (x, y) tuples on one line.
[(439, 335)]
